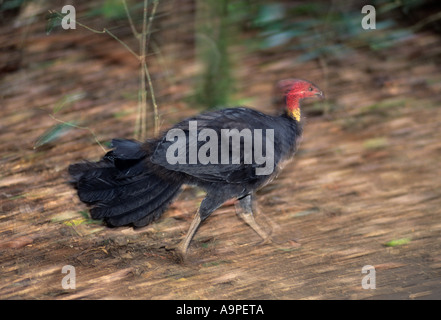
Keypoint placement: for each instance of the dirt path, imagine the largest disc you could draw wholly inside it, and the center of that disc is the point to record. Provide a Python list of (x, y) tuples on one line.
[(366, 176)]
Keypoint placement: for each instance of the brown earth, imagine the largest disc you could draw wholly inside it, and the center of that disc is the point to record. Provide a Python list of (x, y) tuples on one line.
[(367, 173)]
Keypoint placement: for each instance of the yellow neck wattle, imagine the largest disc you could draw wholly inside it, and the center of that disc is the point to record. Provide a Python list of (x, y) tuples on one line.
[(295, 113), (293, 106)]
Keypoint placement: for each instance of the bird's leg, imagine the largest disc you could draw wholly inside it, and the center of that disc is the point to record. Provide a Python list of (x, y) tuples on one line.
[(208, 205), (183, 245), (245, 210)]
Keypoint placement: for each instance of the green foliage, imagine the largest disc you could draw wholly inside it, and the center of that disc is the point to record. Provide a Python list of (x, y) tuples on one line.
[(66, 100), (60, 129), (53, 133), (110, 10), (397, 242), (213, 40), (87, 219), (326, 29), (272, 23), (11, 4), (376, 143), (53, 21)]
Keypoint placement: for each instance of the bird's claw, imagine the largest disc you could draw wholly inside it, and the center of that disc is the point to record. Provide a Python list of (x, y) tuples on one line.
[(281, 245), (268, 240)]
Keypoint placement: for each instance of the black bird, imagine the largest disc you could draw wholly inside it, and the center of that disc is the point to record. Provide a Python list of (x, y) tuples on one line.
[(229, 153)]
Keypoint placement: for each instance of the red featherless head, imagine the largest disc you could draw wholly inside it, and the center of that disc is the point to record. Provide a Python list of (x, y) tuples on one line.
[(295, 90)]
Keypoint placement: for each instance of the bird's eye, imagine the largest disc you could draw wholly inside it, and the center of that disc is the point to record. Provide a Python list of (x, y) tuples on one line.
[(310, 88)]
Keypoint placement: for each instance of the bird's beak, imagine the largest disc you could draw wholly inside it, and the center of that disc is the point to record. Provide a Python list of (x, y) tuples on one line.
[(320, 94)]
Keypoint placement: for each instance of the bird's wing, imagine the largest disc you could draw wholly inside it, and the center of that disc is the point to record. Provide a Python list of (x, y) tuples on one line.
[(237, 170)]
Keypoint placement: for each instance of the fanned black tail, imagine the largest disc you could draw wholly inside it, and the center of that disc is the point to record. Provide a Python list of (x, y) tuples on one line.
[(121, 188)]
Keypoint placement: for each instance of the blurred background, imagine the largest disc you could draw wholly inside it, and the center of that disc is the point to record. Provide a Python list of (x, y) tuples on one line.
[(364, 188)]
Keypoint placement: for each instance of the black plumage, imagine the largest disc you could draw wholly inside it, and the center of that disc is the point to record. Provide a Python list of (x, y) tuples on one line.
[(135, 182)]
